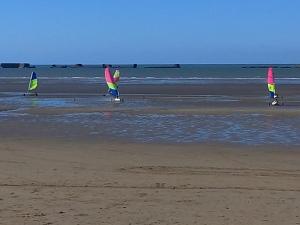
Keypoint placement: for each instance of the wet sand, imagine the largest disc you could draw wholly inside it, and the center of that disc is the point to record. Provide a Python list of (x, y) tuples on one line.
[(81, 87), (54, 172), (154, 118)]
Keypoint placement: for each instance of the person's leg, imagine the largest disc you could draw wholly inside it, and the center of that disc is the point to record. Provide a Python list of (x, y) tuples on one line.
[(114, 93)]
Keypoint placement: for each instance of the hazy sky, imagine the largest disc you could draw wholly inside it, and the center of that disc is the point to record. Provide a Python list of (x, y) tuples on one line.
[(150, 31)]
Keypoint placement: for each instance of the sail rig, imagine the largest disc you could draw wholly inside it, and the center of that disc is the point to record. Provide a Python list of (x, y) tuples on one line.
[(32, 85), (272, 87), (271, 83), (112, 81)]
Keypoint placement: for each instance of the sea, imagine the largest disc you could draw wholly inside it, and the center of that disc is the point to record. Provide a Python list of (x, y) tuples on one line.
[(162, 74)]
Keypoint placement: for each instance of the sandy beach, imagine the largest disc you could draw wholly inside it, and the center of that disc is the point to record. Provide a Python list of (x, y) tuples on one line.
[(150, 113), (78, 182), (201, 157)]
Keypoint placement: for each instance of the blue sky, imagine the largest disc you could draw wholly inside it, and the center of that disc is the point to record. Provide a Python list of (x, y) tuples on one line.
[(150, 31)]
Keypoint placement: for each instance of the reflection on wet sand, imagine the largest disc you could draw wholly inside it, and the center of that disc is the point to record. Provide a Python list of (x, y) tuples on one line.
[(188, 119)]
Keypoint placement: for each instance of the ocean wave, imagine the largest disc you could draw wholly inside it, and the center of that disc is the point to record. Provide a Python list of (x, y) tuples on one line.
[(154, 78)]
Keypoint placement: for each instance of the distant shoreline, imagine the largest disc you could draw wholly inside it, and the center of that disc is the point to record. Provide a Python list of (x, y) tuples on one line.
[(150, 65)]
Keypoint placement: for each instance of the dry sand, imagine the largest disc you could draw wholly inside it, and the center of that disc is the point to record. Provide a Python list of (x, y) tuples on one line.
[(82, 182)]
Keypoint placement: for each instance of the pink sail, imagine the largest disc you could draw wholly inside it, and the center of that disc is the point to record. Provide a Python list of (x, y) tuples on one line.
[(108, 76), (270, 79)]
